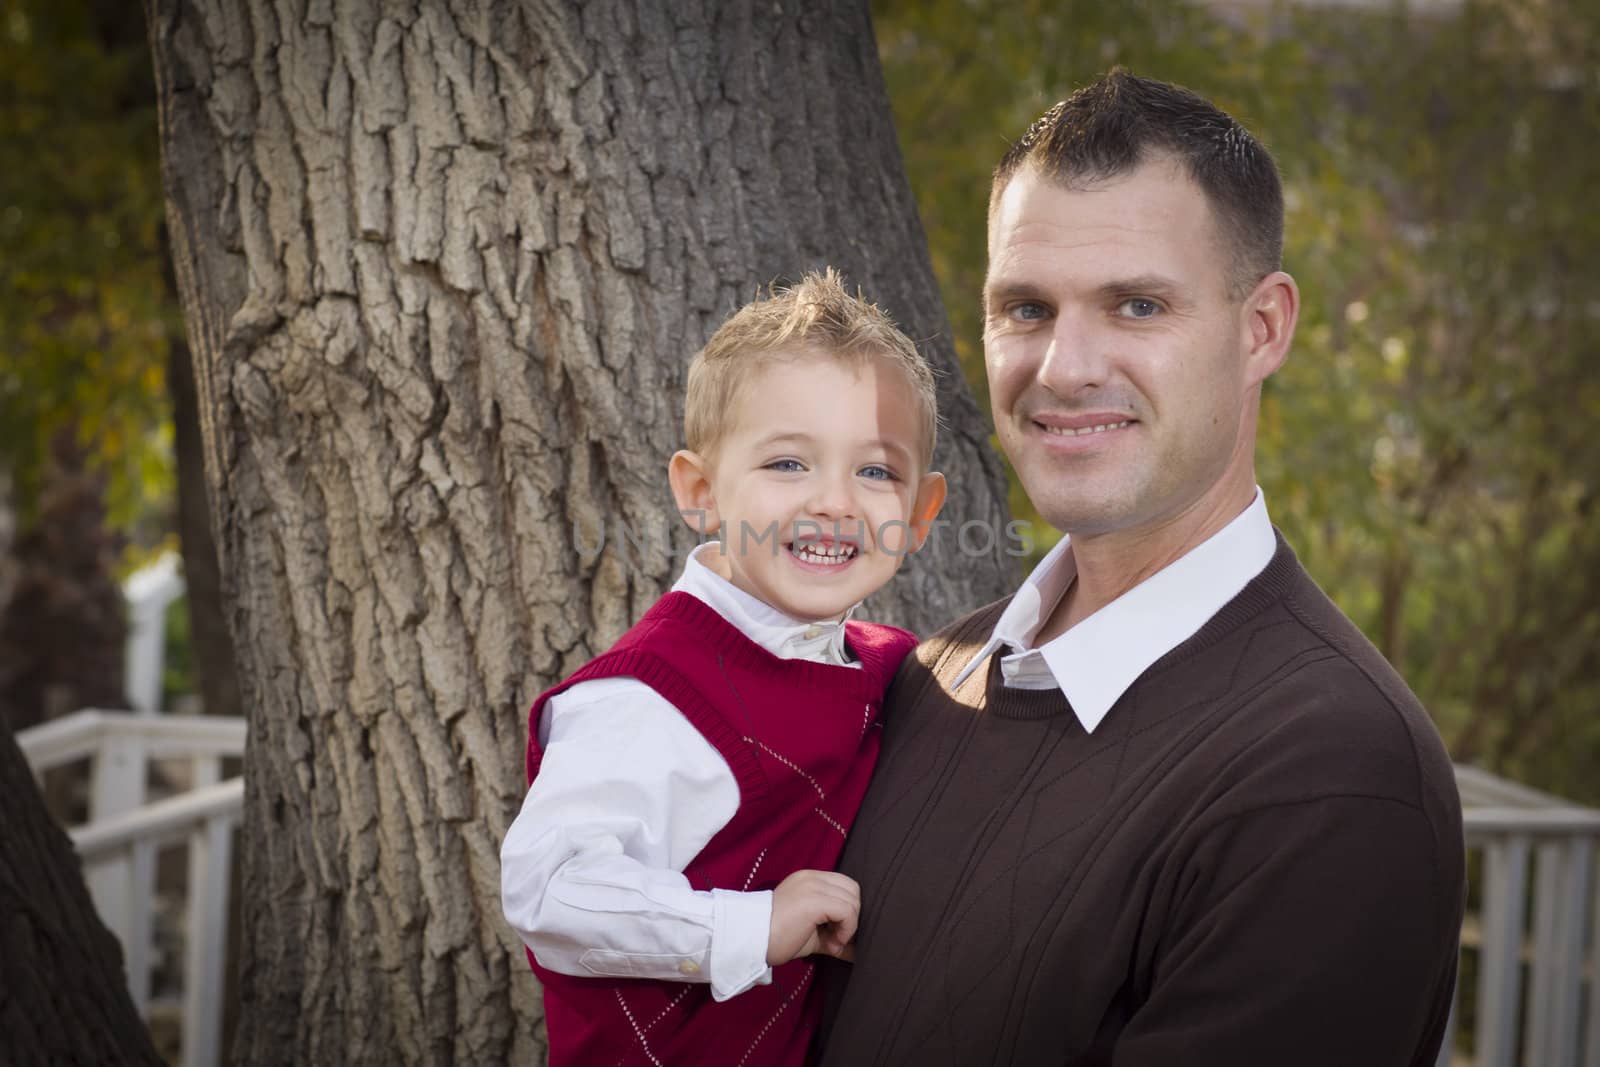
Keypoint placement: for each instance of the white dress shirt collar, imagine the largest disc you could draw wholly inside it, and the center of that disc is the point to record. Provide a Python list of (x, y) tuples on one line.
[(1096, 661), (783, 635)]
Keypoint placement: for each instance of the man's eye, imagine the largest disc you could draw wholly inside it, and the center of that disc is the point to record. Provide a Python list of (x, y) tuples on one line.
[(1029, 311), (1138, 308), (877, 472), (786, 465)]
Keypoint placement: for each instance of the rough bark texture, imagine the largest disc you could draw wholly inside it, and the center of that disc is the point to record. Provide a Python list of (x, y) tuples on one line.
[(442, 267), (63, 998)]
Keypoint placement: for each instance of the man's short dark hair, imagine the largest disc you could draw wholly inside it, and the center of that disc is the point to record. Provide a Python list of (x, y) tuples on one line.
[(1113, 125)]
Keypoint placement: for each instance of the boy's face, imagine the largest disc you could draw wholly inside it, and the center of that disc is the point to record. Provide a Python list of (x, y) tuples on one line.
[(816, 486)]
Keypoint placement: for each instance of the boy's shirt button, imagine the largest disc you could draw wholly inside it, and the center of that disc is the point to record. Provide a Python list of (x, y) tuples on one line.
[(813, 632), (688, 967)]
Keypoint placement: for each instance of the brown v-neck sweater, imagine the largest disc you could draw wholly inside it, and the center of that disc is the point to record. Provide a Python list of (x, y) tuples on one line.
[(1255, 859)]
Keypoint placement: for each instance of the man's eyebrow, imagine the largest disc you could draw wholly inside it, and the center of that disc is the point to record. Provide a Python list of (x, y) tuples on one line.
[(1001, 290), (1143, 285)]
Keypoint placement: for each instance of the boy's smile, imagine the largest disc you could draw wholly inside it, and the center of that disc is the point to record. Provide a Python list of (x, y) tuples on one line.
[(817, 485), (825, 554)]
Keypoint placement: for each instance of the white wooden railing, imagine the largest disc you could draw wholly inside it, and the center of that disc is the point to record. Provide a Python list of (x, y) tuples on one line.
[(126, 828), (1536, 999)]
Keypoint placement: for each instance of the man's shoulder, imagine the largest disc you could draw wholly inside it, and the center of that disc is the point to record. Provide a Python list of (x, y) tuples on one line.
[(1328, 627), (1331, 715)]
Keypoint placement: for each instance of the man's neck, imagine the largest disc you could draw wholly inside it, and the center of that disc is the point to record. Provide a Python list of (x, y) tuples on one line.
[(1110, 564)]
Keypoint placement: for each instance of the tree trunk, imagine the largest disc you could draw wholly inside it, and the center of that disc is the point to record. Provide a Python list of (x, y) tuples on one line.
[(63, 998), (442, 267), (212, 649)]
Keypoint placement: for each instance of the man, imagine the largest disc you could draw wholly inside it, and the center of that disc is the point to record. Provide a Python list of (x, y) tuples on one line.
[(1164, 805)]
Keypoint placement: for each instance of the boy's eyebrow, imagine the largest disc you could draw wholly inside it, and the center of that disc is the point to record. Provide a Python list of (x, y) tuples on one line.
[(895, 448), (782, 437)]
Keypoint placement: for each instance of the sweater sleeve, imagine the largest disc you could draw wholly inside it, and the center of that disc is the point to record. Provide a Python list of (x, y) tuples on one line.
[(1321, 932), (591, 868)]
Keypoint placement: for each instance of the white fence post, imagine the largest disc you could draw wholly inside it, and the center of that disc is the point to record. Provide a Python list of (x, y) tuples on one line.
[(121, 886), (1505, 863), (148, 592), (1591, 1055), (206, 942), (1567, 963)]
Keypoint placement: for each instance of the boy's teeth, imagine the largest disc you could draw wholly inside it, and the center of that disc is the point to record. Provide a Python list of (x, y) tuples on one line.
[(825, 553), (1061, 431)]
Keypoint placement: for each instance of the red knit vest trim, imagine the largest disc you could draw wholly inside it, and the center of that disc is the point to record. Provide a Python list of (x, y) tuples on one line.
[(801, 742)]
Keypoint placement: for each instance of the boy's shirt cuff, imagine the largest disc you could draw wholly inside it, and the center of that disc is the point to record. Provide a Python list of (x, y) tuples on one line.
[(741, 925)]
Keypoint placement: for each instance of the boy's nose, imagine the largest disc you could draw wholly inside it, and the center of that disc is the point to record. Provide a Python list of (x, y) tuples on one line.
[(832, 498)]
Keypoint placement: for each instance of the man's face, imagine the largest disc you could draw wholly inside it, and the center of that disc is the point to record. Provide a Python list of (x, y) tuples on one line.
[(1117, 363)]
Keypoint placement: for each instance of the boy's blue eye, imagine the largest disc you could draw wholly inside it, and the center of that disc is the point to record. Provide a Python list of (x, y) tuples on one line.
[(785, 465), (878, 472)]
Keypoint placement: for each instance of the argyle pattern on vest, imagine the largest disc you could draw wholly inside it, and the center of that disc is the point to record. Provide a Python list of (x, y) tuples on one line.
[(801, 739)]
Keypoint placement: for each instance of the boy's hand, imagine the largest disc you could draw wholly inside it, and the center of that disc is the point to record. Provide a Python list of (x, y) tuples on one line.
[(813, 911)]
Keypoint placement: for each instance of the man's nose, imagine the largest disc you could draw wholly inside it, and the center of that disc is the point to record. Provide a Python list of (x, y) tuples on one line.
[(1076, 359)]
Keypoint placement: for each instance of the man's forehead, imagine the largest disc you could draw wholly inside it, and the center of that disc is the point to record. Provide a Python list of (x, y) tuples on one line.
[(1157, 187), (1153, 218)]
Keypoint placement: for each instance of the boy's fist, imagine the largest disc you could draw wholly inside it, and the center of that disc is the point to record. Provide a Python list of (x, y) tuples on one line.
[(813, 911)]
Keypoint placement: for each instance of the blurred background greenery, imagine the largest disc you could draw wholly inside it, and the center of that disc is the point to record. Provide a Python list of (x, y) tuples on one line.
[(1427, 449)]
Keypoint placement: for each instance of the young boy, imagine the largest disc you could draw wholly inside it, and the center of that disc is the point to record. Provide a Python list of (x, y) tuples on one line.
[(691, 788)]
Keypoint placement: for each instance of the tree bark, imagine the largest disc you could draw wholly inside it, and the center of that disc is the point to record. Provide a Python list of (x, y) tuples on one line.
[(442, 267), (63, 998)]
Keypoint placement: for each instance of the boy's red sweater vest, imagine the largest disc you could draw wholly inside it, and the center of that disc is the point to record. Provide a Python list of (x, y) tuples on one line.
[(801, 739)]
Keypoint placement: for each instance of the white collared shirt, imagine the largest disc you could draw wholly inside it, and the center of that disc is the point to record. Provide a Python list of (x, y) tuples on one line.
[(1096, 661), (628, 793)]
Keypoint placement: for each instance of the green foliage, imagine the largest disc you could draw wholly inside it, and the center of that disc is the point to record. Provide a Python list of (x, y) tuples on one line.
[(85, 315), (1427, 446)]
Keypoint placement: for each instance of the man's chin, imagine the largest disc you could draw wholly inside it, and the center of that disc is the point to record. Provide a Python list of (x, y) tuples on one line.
[(1085, 516)]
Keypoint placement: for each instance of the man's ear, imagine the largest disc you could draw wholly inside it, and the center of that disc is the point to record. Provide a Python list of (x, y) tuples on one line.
[(689, 474), (1271, 311), (930, 498)]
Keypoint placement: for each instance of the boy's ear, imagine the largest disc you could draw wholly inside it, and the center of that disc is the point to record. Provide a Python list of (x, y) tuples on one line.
[(690, 477), (930, 498)]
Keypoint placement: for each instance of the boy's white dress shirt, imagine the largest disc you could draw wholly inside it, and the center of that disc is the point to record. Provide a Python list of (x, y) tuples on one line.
[(628, 793)]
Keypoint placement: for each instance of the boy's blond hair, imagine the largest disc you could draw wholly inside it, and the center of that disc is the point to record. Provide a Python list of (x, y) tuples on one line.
[(818, 315)]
